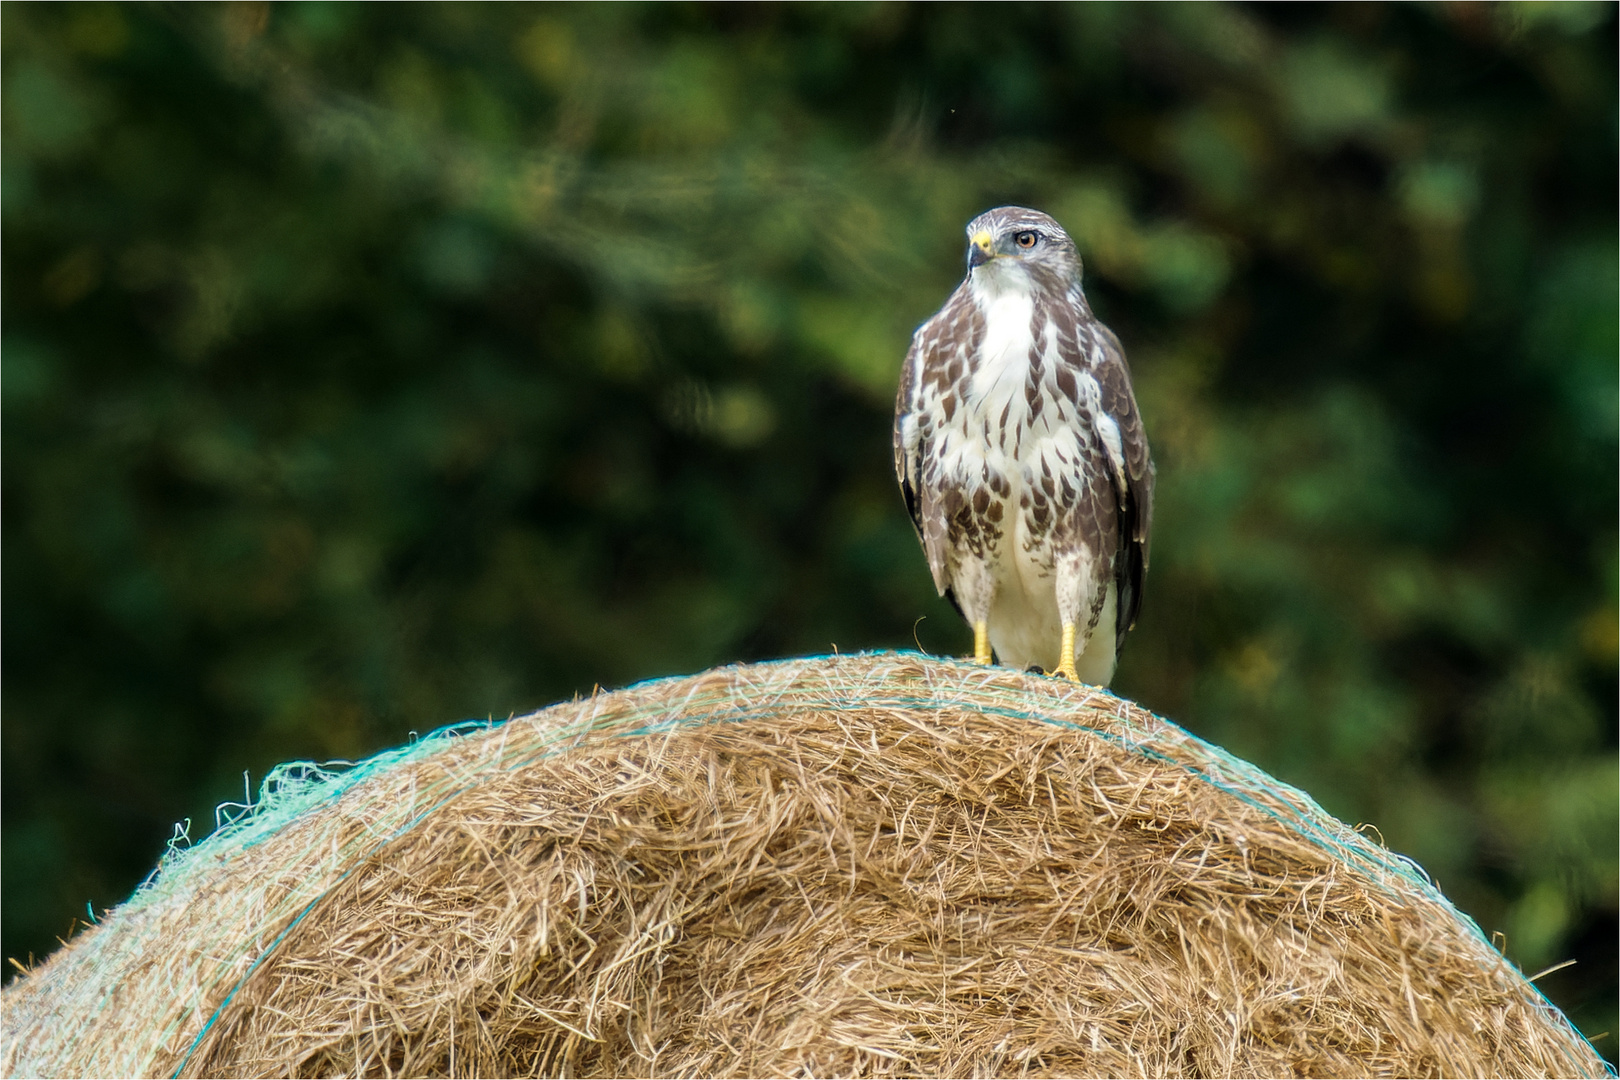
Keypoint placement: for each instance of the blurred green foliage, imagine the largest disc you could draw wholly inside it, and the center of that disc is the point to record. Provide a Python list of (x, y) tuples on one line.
[(368, 367)]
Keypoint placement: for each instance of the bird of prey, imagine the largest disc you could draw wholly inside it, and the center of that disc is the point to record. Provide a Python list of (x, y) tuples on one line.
[(1021, 455)]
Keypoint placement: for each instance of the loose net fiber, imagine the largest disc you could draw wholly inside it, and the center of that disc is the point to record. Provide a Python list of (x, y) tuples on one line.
[(866, 865)]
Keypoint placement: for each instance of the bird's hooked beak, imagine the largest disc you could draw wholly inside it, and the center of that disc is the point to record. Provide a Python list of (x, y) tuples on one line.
[(979, 250)]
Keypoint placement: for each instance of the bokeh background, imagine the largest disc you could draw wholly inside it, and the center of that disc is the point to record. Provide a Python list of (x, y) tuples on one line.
[(367, 368)]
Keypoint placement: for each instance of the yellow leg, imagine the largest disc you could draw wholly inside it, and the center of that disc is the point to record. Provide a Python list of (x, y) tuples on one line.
[(1065, 666), (981, 643)]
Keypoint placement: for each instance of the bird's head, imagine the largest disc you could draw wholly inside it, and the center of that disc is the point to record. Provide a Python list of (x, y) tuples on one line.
[(1012, 246)]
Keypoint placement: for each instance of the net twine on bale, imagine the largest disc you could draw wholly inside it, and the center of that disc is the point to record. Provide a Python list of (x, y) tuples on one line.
[(876, 864)]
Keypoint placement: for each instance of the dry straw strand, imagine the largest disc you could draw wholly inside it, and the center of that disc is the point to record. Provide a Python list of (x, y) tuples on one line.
[(881, 864)]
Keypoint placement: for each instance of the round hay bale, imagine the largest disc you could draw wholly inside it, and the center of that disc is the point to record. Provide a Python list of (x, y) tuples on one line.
[(879, 864)]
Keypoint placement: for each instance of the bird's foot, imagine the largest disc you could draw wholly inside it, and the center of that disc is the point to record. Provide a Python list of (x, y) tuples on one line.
[(981, 643), (1065, 668)]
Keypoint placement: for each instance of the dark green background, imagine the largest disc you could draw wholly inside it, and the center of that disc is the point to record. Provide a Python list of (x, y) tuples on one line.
[(368, 368)]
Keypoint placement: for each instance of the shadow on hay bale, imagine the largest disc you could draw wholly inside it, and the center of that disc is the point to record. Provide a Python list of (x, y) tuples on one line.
[(879, 864)]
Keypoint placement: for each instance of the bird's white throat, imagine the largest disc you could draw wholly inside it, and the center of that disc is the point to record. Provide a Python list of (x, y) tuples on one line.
[(997, 278), (1005, 300)]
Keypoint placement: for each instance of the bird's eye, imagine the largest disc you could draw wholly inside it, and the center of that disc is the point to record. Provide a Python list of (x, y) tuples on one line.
[(1026, 239)]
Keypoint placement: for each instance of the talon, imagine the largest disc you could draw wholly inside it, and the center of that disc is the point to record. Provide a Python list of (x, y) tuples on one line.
[(981, 643), (1065, 668)]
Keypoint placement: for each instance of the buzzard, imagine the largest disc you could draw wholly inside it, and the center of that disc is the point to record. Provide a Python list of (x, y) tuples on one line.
[(1022, 458)]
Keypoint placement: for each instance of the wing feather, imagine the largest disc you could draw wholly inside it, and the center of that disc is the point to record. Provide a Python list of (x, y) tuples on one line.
[(907, 442), (917, 415), (1135, 469)]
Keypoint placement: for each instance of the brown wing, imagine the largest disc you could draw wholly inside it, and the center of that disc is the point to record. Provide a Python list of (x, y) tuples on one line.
[(1113, 377), (907, 441), (920, 408)]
